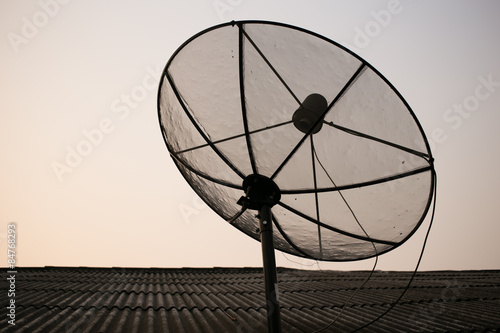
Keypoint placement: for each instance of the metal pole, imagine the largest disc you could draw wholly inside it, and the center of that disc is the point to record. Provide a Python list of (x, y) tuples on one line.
[(270, 275)]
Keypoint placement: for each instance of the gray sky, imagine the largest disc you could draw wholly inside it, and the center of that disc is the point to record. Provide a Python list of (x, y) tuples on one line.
[(87, 178)]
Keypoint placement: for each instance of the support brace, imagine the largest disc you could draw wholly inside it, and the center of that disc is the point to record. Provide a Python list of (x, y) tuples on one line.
[(270, 275), (261, 193)]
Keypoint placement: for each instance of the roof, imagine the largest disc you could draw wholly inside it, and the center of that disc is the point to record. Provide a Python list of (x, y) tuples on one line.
[(82, 299)]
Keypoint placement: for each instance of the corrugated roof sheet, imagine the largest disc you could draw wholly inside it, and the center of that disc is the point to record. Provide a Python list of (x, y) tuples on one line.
[(81, 299)]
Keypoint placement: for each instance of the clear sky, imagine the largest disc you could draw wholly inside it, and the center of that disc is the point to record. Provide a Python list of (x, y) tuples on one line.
[(85, 174)]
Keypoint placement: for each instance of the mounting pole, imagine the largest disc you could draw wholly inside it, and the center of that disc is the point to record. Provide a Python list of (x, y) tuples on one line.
[(270, 275), (262, 193)]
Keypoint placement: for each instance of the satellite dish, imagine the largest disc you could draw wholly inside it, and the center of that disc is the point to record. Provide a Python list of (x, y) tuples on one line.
[(259, 115)]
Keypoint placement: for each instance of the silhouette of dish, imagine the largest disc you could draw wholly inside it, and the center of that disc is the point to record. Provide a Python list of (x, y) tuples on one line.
[(344, 157)]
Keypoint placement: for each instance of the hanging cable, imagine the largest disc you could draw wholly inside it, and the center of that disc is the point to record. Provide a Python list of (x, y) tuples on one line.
[(418, 262), (351, 297), (343, 198), (364, 231), (296, 262)]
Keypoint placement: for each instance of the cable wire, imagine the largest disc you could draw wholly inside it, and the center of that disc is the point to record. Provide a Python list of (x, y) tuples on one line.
[(376, 256), (418, 263), (299, 263), (351, 297), (364, 231)]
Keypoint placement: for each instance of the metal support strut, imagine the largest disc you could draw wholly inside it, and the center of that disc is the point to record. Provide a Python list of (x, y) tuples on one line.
[(270, 275), (261, 193)]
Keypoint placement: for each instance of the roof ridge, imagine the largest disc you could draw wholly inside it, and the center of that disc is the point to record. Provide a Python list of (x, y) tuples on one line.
[(74, 308), (279, 268), (107, 291)]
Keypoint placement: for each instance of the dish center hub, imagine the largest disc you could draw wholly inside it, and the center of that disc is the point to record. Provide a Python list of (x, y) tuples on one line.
[(259, 191)]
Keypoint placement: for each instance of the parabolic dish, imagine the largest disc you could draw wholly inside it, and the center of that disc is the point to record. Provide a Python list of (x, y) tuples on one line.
[(351, 160)]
